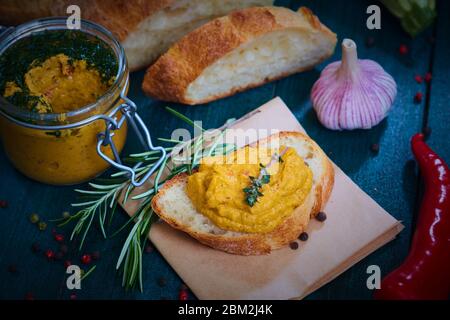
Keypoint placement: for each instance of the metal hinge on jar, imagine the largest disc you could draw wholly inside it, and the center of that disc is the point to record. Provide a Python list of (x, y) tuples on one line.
[(128, 110)]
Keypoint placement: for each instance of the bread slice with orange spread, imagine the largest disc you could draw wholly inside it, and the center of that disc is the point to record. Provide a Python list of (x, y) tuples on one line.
[(173, 205), (244, 49)]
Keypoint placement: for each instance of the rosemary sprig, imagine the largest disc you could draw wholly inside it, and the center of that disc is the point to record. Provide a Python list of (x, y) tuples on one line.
[(103, 197), (253, 192)]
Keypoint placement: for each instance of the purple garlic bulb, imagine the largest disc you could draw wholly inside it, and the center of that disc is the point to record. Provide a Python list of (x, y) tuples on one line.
[(353, 94)]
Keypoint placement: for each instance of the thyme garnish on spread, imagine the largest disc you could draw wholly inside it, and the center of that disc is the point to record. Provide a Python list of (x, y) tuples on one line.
[(253, 191)]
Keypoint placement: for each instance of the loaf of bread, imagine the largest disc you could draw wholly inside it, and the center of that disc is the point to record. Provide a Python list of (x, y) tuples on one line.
[(245, 49), (174, 206), (146, 28)]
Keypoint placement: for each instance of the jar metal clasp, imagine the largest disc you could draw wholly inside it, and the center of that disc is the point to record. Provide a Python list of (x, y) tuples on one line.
[(129, 112), (112, 122)]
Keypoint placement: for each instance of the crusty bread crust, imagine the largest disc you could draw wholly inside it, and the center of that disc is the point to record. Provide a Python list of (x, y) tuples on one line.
[(119, 16), (169, 77), (257, 243), (129, 20)]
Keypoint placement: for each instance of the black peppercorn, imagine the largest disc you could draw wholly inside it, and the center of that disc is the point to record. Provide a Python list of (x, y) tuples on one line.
[(96, 255), (321, 216), (303, 236), (162, 282), (370, 42), (148, 248), (293, 245), (12, 268), (35, 247), (59, 255), (64, 248), (375, 148)]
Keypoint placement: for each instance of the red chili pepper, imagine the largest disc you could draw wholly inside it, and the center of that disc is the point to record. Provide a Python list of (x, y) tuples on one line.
[(425, 274)]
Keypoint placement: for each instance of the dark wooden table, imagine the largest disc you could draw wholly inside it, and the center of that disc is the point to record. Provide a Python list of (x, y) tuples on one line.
[(390, 177)]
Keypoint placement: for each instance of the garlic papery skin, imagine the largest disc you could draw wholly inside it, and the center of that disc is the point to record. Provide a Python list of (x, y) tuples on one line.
[(353, 94)]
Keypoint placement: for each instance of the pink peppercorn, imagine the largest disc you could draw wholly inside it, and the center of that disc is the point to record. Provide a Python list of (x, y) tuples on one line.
[(403, 49), (183, 295), (418, 97)]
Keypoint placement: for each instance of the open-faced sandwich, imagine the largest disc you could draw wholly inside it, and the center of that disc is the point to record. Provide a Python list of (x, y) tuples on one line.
[(253, 200)]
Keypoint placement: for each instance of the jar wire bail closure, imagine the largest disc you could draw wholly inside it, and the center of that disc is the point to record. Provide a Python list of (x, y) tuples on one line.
[(128, 109)]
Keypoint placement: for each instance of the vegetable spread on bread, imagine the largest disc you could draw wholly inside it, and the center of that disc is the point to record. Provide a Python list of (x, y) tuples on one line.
[(216, 190), (246, 202)]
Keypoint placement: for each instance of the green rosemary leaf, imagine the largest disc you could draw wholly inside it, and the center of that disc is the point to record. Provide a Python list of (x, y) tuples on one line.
[(86, 274), (113, 210), (197, 150), (169, 140), (103, 187), (101, 219), (83, 204), (184, 118), (86, 230), (158, 175), (134, 262), (127, 243), (90, 191), (141, 286), (144, 194), (146, 153), (127, 193), (125, 268)]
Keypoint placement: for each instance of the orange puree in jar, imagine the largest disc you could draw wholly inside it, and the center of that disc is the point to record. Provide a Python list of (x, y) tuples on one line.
[(56, 87)]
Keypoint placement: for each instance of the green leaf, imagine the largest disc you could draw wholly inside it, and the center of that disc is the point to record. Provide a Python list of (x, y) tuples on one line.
[(184, 118), (127, 244), (88, 272), (415, 15), (265, 179)]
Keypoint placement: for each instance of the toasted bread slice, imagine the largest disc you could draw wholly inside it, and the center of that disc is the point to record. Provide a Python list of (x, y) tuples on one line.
[(146, 28), (245, 49), (174, 206)]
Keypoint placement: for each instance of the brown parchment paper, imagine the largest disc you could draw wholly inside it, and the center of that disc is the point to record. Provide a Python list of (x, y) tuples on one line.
[(356, 226)]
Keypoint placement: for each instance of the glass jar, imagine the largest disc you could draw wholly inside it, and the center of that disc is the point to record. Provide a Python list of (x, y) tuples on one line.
[(73, 147)]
